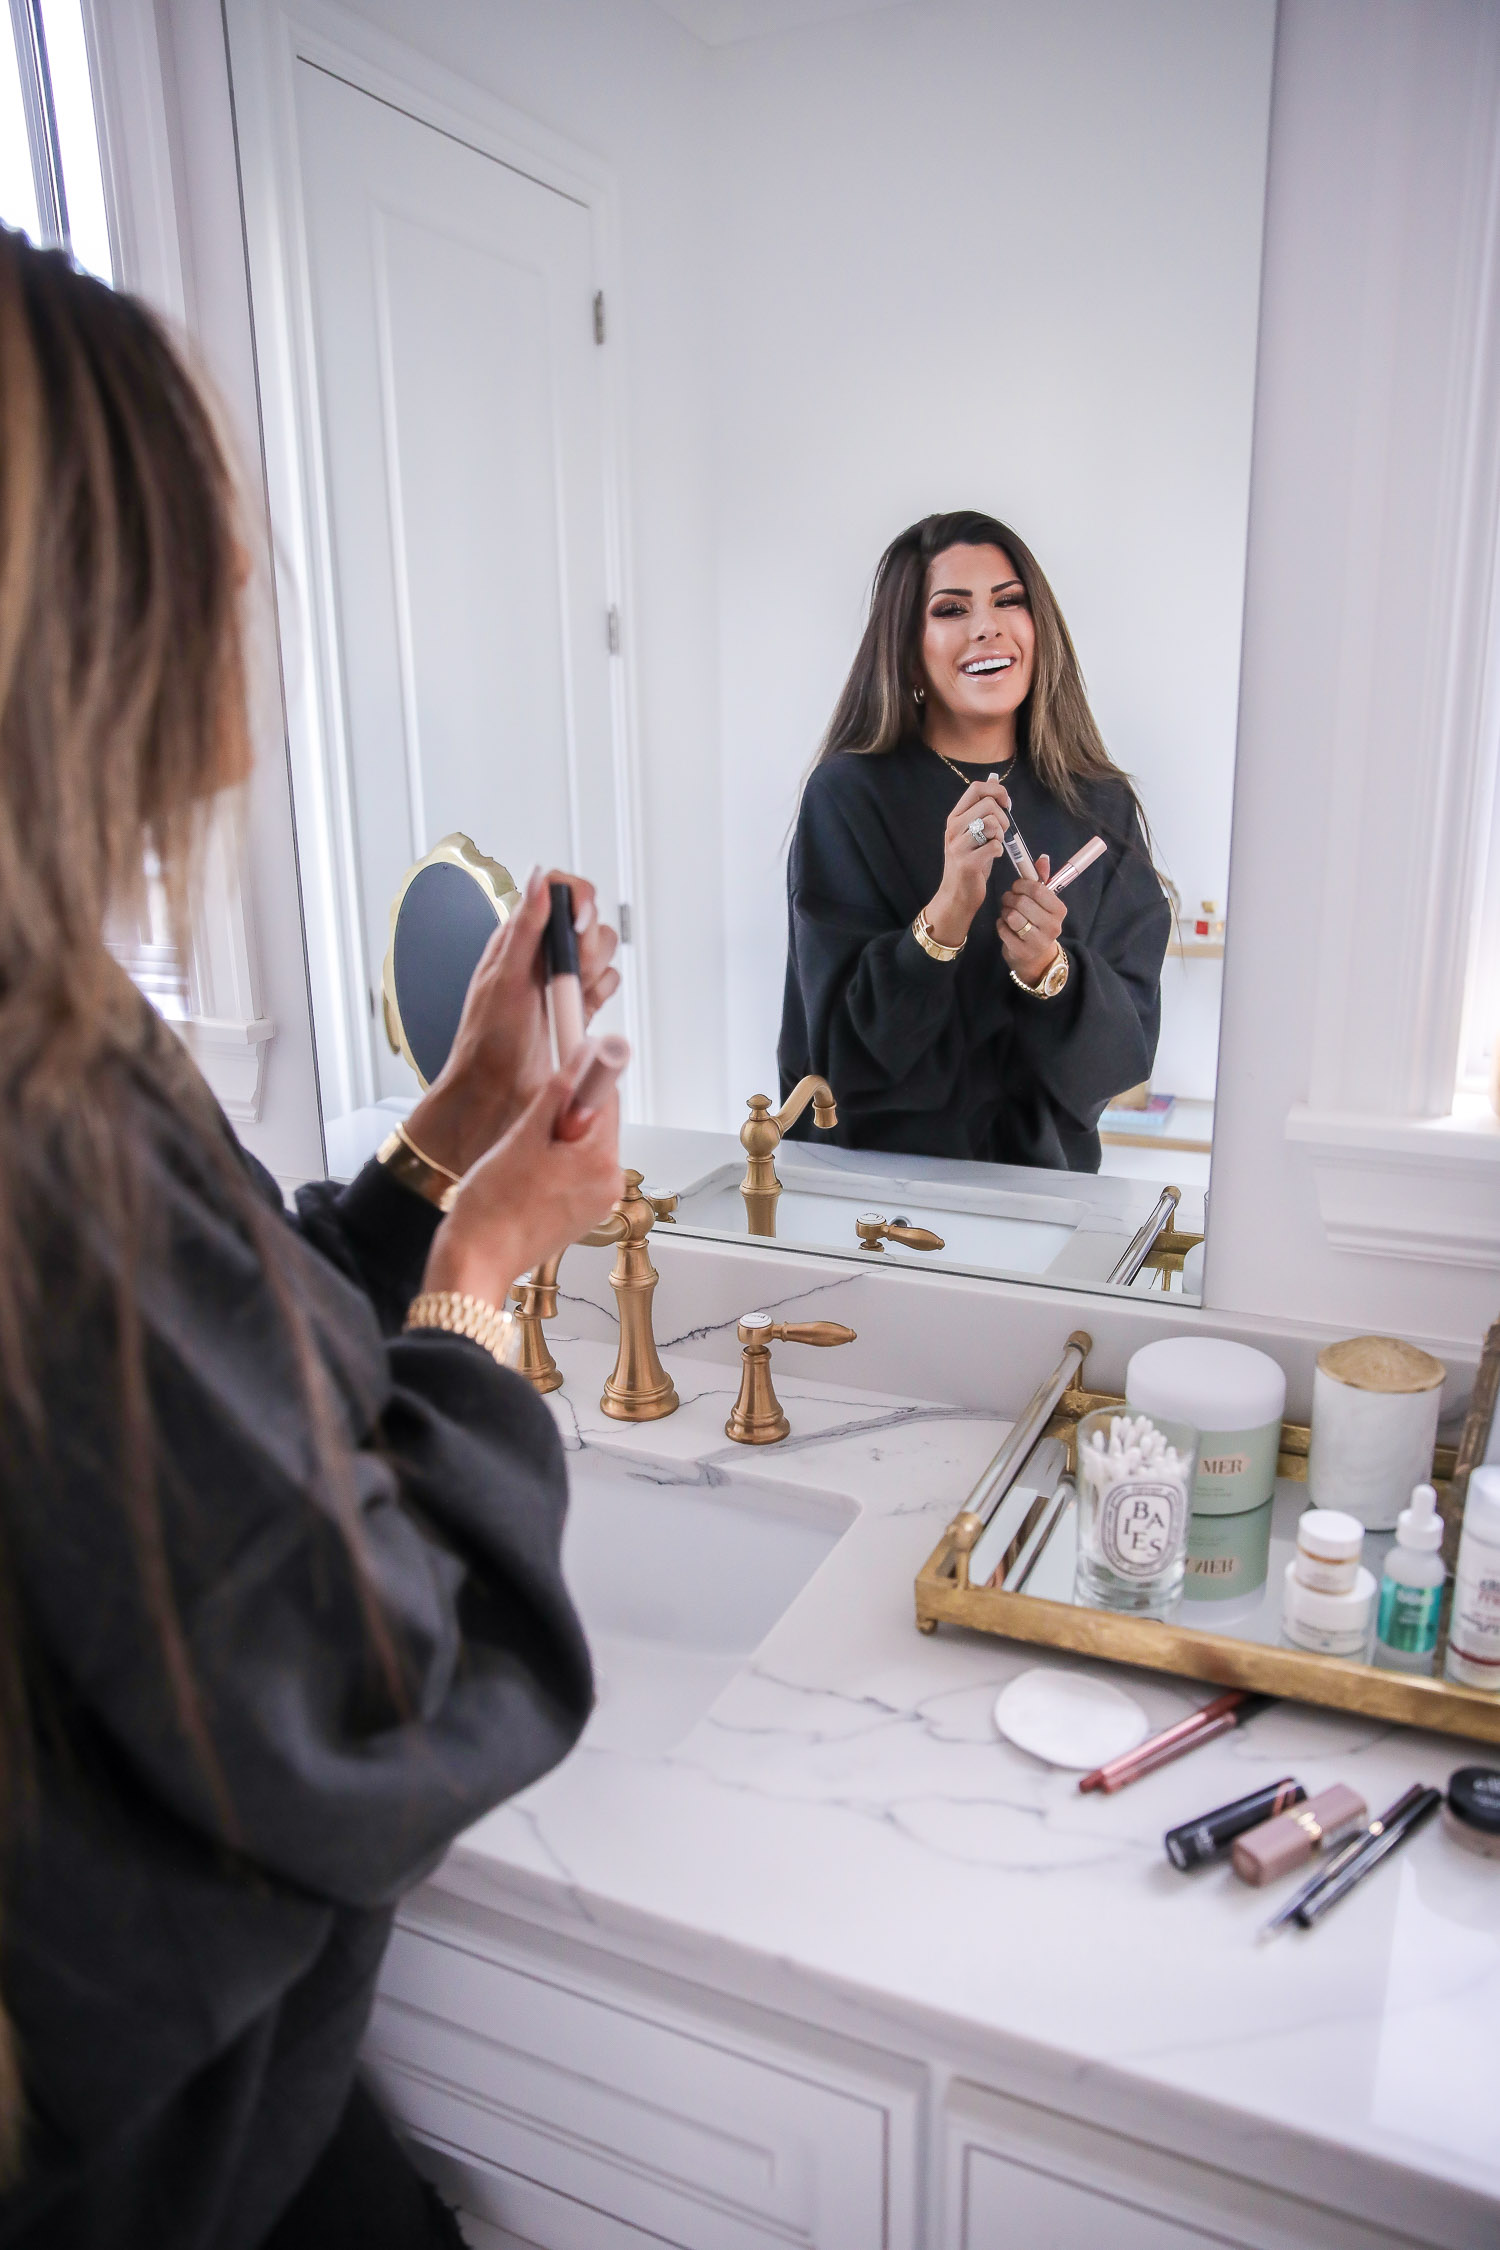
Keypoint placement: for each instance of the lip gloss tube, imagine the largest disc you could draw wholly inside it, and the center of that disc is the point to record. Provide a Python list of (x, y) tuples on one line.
[(564, 987), (607, 1058), (1085, 856)]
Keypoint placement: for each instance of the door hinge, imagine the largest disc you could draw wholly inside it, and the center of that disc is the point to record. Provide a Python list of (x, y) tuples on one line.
[(624, 923), (613, 628), (598, 316)]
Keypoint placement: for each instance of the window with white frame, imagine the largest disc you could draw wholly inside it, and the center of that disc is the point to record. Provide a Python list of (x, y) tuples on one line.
[(51, 176)]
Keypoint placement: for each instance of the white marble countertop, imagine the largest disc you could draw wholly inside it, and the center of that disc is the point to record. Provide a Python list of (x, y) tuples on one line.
[(847, 1815)]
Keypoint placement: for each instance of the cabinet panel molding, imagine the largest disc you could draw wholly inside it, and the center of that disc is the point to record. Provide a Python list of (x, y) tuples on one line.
[(586, 2114), (1021, 2177)]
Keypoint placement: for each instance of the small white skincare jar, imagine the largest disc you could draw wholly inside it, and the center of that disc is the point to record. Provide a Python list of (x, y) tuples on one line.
[(1328, 1549), (1329, 1624), (1376, 1402)]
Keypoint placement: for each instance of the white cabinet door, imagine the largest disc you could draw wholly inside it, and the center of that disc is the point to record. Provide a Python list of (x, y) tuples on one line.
[(461, 411), (1020, 2177), (577, 2117)]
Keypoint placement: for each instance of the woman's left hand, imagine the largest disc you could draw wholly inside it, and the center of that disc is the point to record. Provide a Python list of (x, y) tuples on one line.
[(1030, 925), (502, 1052)]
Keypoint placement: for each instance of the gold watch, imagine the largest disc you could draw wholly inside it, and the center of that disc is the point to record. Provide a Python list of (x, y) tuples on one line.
[(405, 1162), (487, 1325), (1050, 983)]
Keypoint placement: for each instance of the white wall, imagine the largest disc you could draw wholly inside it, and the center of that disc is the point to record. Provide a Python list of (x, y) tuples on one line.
[(979, 253)]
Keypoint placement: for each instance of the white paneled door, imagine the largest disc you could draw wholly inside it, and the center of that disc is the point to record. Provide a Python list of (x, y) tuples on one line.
[(462, 424)]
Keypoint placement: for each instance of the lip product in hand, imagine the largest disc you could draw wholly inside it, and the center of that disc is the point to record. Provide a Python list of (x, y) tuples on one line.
[(1287, 1842), (1071, 869), (564, 987), (1197, 1842), (1016, 852), (607, 1058)]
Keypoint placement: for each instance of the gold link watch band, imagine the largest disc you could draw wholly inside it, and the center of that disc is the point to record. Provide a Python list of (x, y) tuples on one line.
[(1050, 983), (483, 1323)]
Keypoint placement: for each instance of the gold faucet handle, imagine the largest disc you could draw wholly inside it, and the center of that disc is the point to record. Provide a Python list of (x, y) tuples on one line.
[(875, 1231), (757, 1418), (808, 1332), (663, 1201), (613, 1229)]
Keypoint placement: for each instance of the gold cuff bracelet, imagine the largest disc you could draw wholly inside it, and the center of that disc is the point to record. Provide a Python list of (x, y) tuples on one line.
[(405, 1162)]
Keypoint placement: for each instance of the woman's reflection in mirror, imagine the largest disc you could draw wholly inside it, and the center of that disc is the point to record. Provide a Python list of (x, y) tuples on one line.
[(957, 1007)]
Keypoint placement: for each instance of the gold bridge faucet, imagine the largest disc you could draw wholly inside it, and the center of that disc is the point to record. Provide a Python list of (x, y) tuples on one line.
[(640, 1389), (760, 1137)]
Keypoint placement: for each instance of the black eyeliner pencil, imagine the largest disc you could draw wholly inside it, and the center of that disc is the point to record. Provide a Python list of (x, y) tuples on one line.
[(1405, 1817)]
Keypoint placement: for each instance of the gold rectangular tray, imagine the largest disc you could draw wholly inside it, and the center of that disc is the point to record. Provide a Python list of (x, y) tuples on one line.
[(945, 1597)]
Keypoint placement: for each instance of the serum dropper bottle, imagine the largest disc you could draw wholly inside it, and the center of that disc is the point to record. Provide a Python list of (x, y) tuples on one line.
[(1411, 1588)]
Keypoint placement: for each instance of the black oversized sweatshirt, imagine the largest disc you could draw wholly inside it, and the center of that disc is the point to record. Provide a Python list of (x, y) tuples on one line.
[(188, 2010), (937, 1058)]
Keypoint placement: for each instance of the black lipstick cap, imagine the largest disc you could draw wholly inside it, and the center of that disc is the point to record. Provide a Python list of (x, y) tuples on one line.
[(559, 938), (1198, 1841)]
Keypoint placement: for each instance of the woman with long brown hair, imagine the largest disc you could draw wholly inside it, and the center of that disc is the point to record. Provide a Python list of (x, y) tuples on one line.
[(280, 1601), (955, 1009)]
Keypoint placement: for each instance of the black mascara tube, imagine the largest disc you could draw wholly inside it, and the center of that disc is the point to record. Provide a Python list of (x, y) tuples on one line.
[(1198, 1841)]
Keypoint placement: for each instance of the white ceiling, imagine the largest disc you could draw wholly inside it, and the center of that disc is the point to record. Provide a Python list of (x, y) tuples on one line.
[(722, 23)]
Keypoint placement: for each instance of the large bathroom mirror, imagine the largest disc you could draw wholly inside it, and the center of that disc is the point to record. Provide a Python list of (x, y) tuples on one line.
[(613, 392)]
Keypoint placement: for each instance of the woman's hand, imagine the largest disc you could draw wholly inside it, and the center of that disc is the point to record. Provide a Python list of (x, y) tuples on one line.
[(531, 1195), (502, 1054), (1030, 925), (966, 865)]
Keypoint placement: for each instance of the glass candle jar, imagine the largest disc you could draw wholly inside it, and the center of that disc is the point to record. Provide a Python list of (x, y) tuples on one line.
[(1133, 1491)]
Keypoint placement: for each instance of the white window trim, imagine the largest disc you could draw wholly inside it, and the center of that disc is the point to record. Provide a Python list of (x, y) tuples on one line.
[(224, 1026), (1404, 1167)]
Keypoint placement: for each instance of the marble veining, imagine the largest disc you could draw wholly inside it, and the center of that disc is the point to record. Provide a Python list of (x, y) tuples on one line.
[(846, 1809)]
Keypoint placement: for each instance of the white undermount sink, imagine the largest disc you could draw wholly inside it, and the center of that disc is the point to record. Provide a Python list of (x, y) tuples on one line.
[(679, 1574)]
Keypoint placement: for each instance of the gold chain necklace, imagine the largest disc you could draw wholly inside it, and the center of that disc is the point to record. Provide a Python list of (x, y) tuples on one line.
[(1002, 772)]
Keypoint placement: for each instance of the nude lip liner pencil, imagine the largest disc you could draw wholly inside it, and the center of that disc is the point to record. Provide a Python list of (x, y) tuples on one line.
[(1226, 1711)]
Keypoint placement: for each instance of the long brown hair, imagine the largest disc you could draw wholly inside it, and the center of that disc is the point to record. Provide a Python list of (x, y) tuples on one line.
[(122, 713), (878, 707)]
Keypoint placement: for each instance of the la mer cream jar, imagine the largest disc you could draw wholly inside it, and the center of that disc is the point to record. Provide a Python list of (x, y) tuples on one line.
[(1228, 1400), (1375, 1415)]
